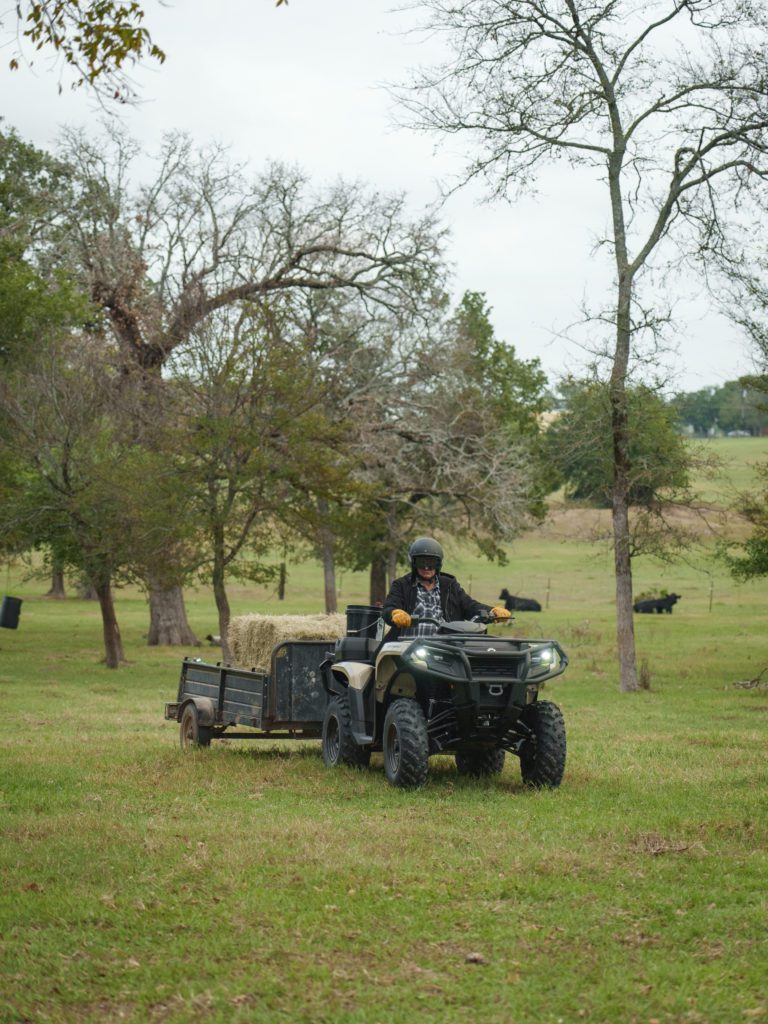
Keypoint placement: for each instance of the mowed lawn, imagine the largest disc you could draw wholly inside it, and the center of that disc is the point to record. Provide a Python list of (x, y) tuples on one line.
[(248, 883)]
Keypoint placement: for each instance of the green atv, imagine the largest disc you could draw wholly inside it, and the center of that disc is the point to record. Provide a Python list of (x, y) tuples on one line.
[(457, 691)]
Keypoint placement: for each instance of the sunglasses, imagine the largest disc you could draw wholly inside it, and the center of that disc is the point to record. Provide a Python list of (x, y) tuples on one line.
[(425, 562)]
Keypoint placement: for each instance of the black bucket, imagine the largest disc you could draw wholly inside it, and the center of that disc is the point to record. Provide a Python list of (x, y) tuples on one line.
[(9, 612), (362, 620)]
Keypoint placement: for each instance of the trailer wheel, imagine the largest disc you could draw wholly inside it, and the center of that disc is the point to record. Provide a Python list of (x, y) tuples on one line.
[(406, 745), (542, 758), (478, 762), (339, 746), (191, 733)]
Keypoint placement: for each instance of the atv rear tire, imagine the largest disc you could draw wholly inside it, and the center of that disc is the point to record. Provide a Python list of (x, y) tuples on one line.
[(338, 744), (485, 761), (406, 745), (542, 758)]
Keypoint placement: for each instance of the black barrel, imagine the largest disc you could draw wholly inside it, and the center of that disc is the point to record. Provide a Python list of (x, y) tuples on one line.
[(362, 619), (9, 612)]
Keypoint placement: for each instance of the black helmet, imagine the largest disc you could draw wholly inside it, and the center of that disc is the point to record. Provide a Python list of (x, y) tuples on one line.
[(428, 549)]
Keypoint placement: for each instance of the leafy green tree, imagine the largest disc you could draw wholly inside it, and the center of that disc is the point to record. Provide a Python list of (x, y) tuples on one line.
[(749, 559), (57, 425), (735, 405), (697, 409), (251, 444), (741, 407), (512, 389), (662, 461), (579, 445), (36, 299)]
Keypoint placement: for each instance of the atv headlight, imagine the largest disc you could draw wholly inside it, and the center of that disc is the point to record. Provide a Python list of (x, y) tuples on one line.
[(543, 659), (433, 660), (417, 655)]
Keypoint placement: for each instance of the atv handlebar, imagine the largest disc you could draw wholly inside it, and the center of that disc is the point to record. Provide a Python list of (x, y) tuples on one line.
[(485, 619)]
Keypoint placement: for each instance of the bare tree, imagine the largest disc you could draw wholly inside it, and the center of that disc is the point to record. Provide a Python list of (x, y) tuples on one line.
[(666, 102), (447, 447), (161, 259)]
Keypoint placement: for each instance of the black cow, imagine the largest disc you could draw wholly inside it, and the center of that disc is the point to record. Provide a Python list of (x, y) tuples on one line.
[(518, 604), (656, 604)]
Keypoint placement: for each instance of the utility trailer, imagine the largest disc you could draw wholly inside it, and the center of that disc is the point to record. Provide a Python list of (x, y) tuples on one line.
[(222, 702)]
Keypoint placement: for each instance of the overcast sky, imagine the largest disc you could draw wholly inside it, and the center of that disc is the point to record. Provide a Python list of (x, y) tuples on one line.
[(303, 84)]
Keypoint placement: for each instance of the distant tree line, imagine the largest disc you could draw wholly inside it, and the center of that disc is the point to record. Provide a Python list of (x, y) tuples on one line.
[(738, 405)]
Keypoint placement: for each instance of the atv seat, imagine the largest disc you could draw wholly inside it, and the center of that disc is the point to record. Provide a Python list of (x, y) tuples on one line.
[(355, 648)]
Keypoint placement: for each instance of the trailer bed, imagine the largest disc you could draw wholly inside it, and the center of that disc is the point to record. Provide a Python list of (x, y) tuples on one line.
[(288, 702)]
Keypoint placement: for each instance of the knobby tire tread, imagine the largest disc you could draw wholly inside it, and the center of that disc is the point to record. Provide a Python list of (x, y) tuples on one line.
[(350, 752), (414, 744), (544, 766)]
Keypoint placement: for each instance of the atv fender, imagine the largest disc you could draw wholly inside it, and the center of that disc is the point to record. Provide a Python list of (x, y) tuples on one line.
[(358, 677), (387, 673)]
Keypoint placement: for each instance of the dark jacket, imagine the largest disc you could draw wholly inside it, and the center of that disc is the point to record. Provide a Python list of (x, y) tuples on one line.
[(456, 603)]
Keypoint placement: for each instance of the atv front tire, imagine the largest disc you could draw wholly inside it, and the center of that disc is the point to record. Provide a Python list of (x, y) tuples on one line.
[(479, 762), (338, 744), (542, 758), (406, 745)]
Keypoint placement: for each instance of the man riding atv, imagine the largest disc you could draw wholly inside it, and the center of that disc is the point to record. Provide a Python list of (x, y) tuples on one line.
[(428, 592), (440, 684)]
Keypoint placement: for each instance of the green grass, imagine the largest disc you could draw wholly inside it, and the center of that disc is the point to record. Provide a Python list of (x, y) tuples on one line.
[(247, 883), (738, 456)]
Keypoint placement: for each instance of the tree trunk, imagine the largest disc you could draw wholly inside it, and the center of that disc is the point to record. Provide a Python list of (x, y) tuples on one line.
[(378, 581), (57, 585), (113, 644), (281, 583), (327, 547), (86, 591), (168, 625), (391, 567), (625, 625), (222, 601), (329, 572)]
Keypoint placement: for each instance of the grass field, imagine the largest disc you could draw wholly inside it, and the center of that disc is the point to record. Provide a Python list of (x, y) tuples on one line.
[(738, 456), (247, 883)]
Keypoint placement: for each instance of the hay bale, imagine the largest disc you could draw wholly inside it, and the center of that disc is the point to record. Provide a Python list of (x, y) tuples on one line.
[(252, 637)]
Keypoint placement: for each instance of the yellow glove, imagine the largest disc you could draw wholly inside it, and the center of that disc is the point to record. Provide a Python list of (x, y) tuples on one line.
[(401, 618), (500, 613)]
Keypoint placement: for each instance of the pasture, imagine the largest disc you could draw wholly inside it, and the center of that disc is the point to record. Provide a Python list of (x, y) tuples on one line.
[(247, 883)]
